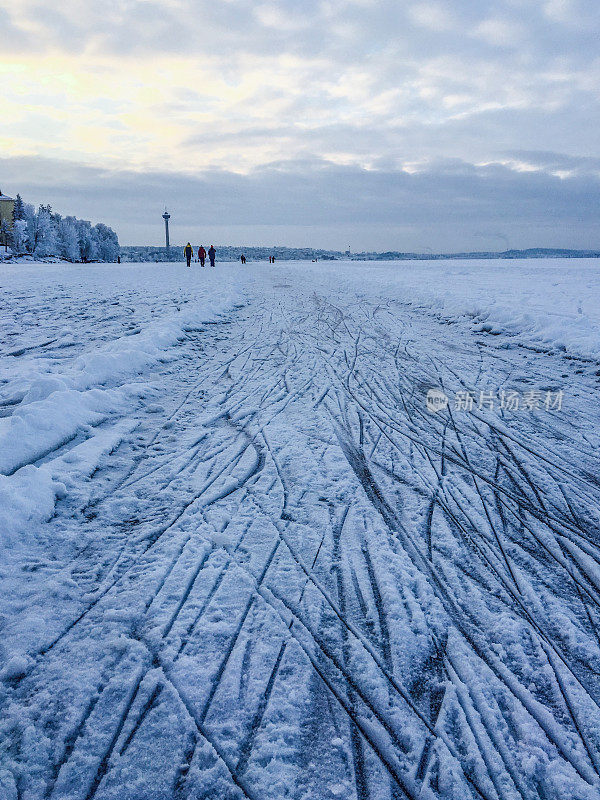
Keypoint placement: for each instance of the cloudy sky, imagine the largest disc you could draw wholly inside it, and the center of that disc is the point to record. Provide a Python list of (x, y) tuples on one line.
[(374, 124)]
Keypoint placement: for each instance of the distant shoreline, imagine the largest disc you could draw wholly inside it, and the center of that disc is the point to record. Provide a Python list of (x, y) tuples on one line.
[(229, 253), (131, 254)]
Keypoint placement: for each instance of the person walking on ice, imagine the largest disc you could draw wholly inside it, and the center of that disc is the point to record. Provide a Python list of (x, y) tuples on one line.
[(211, 254), (201, 255), (189, 252)]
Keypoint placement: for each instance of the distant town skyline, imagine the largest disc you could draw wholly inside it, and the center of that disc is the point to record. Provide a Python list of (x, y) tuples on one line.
[(370, 123)]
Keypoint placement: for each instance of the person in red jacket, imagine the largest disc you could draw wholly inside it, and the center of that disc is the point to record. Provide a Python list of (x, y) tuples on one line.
[(201, 255)]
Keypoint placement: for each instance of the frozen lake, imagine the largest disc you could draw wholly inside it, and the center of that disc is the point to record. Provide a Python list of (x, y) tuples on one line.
[(243, 556)]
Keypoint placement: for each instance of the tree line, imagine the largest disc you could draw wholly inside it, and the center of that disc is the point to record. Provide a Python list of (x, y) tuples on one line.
[(44, 233)]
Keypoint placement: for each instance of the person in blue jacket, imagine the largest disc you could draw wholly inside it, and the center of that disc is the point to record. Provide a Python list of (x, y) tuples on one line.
[(189, 252)]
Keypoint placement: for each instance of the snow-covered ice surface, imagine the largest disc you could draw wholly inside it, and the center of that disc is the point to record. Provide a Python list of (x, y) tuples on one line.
[(553, 303), (240, 558)]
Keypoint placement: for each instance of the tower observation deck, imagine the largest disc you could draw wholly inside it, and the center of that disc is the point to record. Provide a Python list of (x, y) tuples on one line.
[(166, 216)]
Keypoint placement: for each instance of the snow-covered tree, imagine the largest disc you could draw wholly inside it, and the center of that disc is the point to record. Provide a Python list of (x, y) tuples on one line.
[(4, 234), (68, 240), (88, 248), (45, 233), (31, 230), (19, 209), (18, 237), (107, 242)]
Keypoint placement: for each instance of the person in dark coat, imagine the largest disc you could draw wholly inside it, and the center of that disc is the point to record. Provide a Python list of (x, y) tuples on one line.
[(243, 258), (189, 252), (211, 254), (201, 255)]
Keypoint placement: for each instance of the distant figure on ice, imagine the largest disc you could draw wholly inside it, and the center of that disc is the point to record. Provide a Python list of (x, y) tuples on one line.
[(189, 252), (243, 258), (201, 255), (211, 254)]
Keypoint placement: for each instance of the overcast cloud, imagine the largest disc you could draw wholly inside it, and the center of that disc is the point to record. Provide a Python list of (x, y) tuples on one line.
[(374, 124)]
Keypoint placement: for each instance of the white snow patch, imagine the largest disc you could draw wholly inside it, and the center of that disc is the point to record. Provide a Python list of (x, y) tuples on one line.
[(27, 499)]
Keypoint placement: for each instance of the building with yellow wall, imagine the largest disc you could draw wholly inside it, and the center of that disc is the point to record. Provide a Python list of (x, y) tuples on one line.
[(7, 206)]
